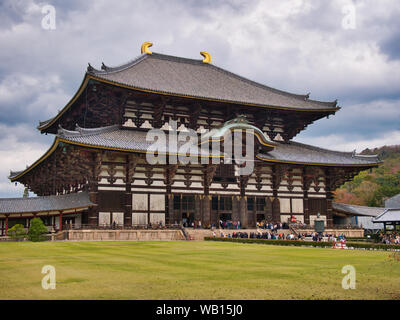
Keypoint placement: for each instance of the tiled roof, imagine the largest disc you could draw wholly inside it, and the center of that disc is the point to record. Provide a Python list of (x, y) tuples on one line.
[(193, 78), (357, 210), (134, 140), (45, 203), (390, 215), (115, 138), (295, 152)]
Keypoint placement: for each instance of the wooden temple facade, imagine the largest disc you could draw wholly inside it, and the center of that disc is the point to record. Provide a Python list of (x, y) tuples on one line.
[(100, 148)]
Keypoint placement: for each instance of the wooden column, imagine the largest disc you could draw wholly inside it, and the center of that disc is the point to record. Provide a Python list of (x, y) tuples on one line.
[(329, 197), (276, 207), (197, 208), (244, 221), (93, 212), (171, 217), (131, 162), (6, 226), (305, 187), (209, 172), (206, 216), (235, 208), (60, 222), (169, 173)]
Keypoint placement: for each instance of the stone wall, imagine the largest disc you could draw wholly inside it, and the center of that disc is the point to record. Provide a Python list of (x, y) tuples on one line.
[(138, 235), (347, 232)]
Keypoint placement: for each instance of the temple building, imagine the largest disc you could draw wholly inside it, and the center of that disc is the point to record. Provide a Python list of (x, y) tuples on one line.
[(100, 145)]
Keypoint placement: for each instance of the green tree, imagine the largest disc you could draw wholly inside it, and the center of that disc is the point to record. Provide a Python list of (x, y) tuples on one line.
[(17, 232), (37, 230)]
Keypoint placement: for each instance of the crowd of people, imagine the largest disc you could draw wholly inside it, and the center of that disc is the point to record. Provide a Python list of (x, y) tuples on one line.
[(390, 238), (274, 226), (276, 235)]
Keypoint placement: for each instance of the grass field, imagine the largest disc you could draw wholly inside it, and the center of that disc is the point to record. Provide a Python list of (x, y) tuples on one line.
[(192, 270)]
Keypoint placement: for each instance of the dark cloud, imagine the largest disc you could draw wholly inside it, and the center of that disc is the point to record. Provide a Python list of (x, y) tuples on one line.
[(391, 46), (298, 46)]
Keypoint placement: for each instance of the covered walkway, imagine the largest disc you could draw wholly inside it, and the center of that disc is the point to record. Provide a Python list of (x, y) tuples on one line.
[(53, 210)]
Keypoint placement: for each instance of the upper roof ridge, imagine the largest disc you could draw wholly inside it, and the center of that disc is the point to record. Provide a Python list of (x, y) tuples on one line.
[(107, 69)]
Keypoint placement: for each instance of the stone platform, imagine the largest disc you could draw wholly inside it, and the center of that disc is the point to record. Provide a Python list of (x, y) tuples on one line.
[(135, 235)]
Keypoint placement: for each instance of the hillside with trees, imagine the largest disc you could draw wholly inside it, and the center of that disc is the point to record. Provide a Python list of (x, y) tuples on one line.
[(372, 187)]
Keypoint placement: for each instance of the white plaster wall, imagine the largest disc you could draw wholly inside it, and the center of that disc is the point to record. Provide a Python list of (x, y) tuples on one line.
[(285, 217), (285, 205), (139, 218), (104, 218), (139, 201), (157, 202), (118, 218), (297, 205), (156, 218)]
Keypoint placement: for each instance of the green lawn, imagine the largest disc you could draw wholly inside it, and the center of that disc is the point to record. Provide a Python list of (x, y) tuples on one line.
[(192, 270)]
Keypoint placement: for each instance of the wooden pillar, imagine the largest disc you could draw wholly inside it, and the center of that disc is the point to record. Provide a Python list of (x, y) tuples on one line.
[(171, 216), (169, 173), (329, 200), (208, 174), (6, 226), (306, 206), (206, 216), (197, 208), (148, 209), (129, 170), (61, 222), (276, 207), (93, 212), (244, 223), (235, 208)]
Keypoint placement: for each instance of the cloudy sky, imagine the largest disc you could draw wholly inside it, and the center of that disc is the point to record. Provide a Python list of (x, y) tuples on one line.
[(341, 49)]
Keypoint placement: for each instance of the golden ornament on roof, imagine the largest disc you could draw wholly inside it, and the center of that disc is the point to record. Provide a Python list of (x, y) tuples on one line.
[(145, 47)]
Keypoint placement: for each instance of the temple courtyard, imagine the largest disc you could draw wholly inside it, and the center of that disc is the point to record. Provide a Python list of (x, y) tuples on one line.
[(192, 270)]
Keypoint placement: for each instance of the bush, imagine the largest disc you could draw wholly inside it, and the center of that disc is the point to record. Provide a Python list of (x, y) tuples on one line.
[(37, 230), (370, 246), (17, 232)]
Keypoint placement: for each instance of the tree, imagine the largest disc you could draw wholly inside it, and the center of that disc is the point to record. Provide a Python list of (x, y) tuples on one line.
[(26, 193), (17, 232), (37, 230)]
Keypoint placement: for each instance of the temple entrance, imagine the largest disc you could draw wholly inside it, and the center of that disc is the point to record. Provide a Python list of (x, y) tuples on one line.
[(260, 217), (187, 219), (221, 207), (184, 209)]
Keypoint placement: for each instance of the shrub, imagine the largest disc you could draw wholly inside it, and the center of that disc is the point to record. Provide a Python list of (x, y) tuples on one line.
[(17, 232), (37, 230), (369, 246)]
